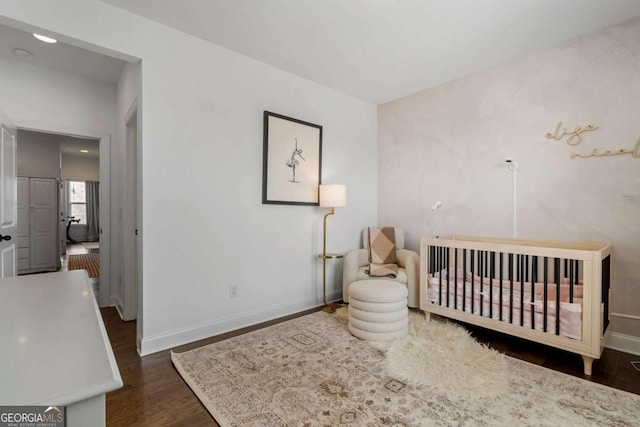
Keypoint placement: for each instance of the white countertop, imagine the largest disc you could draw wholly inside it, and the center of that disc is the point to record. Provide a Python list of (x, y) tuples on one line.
[(53, 345)]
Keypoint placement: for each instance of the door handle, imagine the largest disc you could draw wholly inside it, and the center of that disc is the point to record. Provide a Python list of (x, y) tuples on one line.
[(5, 237)]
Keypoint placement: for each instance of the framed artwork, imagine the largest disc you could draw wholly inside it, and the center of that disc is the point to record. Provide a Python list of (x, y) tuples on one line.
[(292, 161)]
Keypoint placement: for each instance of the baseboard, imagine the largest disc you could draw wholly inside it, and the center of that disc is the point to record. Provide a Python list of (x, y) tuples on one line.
[(117, 307), (626, 343), (155, 343), (117, 303)]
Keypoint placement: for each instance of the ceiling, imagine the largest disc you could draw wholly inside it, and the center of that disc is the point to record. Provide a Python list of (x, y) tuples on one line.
[(62, 57), (59, 56), (69, 145), (381, 50)]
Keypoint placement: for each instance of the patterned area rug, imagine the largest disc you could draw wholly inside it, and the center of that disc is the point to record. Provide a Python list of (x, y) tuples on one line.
[(311, 371), (89, 262)]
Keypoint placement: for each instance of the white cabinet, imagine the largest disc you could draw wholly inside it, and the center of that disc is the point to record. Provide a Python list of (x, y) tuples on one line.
[(37, 225), (54, 347)]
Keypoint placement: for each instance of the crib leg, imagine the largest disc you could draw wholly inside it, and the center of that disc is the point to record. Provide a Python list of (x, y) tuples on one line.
[(427, 316), (588, 363)]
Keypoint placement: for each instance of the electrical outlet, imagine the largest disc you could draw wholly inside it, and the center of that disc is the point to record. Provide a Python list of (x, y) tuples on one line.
[(233, 291)]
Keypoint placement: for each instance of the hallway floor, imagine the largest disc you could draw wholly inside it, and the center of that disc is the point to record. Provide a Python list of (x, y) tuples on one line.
[(79, 249)]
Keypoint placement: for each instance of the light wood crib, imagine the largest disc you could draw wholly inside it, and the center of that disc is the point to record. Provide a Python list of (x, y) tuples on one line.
[(554, 293)]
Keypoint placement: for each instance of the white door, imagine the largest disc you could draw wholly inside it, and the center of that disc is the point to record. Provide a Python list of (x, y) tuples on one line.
[(8, 210), (43, 196)]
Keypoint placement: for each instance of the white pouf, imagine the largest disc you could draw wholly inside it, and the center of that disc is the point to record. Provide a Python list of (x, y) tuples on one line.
[(378, 309)]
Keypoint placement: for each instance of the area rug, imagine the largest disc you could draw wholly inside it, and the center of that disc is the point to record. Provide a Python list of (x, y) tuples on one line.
[(311, 371), (89, 262)]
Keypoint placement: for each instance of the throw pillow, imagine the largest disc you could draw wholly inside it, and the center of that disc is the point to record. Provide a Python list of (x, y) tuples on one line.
[(383, 261)]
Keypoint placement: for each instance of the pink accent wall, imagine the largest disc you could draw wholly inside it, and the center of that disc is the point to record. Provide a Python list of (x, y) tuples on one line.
[(448, 143)]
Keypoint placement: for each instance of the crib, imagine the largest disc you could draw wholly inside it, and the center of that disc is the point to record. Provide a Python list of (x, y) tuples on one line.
[(554, 293)]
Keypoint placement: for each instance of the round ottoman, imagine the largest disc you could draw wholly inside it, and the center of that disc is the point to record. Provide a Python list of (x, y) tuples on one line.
[(378, 309)]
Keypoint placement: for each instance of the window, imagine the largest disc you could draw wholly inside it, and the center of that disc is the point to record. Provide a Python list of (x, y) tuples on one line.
[(78, 201)]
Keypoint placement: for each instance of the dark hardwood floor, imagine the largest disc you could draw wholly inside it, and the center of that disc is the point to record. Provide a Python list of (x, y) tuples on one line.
[(154, 394), (613, 369)]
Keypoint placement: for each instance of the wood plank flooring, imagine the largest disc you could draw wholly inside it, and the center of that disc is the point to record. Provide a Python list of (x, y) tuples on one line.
[(154, 394)]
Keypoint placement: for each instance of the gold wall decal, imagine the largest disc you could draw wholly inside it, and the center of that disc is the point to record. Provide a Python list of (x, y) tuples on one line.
[(635, 152), (575, 136)]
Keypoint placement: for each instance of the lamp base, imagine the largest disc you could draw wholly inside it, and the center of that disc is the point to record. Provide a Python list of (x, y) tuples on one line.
[(332, 307)]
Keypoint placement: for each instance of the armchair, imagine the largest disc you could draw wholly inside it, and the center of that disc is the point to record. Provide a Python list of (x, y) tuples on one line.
[(357, 261)]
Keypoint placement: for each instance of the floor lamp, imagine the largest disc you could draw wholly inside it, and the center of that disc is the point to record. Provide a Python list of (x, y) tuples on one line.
[(331, 196)]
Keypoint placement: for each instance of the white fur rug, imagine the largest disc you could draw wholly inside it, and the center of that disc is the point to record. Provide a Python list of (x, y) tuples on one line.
[(443, 356)]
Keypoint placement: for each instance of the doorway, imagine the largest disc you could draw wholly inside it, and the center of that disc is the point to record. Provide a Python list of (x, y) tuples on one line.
[(74, 170), (81, 97)]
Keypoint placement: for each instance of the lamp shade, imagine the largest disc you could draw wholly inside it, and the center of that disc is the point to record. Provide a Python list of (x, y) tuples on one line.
[(333, 196)]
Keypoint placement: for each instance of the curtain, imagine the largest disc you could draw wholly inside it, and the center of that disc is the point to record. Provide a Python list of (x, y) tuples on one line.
[(93, 210)]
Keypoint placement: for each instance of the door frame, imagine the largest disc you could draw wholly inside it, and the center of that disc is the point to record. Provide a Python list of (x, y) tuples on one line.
[(104, 138), (131, 243), (9, 250)]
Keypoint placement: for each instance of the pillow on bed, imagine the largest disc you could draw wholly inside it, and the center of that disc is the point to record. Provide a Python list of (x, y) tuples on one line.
[(383, 261)]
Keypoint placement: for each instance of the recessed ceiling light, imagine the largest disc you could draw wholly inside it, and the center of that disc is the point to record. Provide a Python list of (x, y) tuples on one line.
[(21, 52), (44, 38), (84, 151)]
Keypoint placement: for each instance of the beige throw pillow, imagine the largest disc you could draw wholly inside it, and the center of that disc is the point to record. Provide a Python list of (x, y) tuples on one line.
[(383, 261)]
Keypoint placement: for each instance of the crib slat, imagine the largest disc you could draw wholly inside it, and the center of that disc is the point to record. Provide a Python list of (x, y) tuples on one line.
[(464, 280), (480, 271), (455, 280), (500, 290), (534, 279), (557, 278), (432, 261), (446, 254), (546, 294), (510, 288), (440, 275), (571, 279), (522, 279), (492, 274), (472, 280)]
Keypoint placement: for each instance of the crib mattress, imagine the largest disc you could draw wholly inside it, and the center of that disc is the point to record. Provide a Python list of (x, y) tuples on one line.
[(513, 307)]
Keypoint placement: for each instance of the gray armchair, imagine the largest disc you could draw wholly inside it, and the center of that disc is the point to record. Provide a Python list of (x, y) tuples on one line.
[(357, 261)]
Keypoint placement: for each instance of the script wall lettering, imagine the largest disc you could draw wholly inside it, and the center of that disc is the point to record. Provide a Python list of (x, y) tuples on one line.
[(635, 152), (574, 137)]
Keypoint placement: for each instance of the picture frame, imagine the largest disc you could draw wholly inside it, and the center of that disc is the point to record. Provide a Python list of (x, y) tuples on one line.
[(292, 161)]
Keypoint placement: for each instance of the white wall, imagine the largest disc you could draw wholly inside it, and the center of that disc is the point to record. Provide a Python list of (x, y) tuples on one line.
[(448, 143), (204, 227), (80, 168), (37, 96), (38, 155), (5, 120)]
